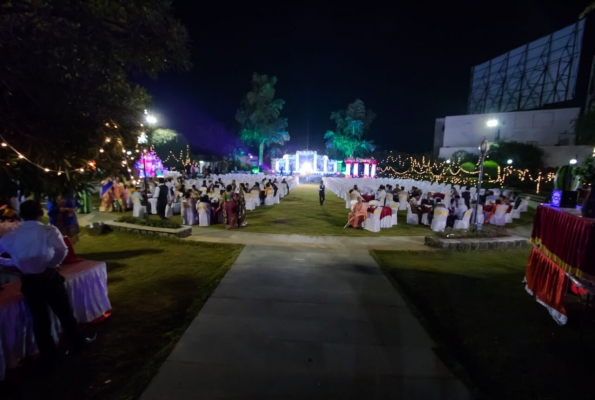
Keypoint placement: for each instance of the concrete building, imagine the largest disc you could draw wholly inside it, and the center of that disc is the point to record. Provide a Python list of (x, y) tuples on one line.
[(531, 94), (551, 130)]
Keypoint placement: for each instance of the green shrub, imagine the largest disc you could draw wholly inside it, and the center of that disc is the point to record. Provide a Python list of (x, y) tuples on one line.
[(155, 223), (491, 168), (468, 166)]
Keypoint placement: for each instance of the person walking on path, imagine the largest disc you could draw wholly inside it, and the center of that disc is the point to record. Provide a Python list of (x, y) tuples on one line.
[(37, 251), (321, 192)]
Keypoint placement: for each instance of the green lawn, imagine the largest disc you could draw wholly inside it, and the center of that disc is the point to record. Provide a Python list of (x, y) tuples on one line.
[(477, 310), (156, 287), (300, 213)]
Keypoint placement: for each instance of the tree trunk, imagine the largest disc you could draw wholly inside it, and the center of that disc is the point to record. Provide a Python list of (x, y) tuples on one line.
[(260, 155)]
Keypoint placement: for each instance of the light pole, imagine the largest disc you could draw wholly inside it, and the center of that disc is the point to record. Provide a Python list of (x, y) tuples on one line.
[(494, 123), (484, 147)]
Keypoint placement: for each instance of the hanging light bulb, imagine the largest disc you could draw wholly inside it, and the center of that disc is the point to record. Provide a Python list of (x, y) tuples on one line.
[(59, 173), (82, 170), (46, 169), (101, 150), (4, 145), (107, 140)]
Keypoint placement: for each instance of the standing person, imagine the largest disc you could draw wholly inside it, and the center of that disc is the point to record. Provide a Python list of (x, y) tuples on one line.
[(321, 192), (229, 207), (242, 207), (62, 214), (163, 197), (37, 251), (107, 197)]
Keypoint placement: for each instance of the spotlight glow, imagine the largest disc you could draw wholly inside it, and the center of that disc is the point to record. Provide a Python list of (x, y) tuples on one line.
[(492, 123)]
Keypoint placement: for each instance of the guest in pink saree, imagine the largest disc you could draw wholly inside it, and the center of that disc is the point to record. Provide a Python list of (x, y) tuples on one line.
[(188, 210), (359, 214)]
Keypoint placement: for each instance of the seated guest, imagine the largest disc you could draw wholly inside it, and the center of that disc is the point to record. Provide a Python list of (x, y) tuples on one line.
[(428, 200), (503, 199), (354, 193), (459, 212), (516, 200), (233, 185), (466, 195), (414, 204), (204, 184), (268, 189), (275, 188), (381, 195), (284, 182), (358, 215)]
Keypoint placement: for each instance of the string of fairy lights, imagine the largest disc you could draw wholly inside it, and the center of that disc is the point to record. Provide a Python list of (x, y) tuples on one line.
[(91, 164), (182, 160), (449, 171)]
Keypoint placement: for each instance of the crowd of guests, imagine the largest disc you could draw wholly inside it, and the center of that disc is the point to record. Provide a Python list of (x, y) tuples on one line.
[(224, 203), (420, 204)]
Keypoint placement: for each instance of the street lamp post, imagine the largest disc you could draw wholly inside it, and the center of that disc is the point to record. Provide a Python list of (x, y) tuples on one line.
[(484, 147)]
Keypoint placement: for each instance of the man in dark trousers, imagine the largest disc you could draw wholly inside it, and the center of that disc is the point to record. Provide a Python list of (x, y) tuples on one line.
[(36, 251), (321, 192), (162, 198)]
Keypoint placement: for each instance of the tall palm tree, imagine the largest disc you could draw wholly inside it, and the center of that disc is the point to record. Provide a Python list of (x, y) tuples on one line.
[(260, 116)]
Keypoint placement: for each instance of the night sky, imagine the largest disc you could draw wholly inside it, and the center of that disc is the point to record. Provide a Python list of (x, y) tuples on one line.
[(410, 63)]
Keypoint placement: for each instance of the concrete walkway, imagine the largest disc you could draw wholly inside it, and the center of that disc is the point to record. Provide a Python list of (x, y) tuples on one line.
[(304, 323)]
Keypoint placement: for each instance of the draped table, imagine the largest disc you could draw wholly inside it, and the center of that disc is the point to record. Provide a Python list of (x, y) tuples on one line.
[(385, 212), (368, 197), (564, 243), (86, 284)]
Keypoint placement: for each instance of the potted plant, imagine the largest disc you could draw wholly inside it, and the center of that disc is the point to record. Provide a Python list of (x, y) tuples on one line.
[(565, 184), (587, 175)]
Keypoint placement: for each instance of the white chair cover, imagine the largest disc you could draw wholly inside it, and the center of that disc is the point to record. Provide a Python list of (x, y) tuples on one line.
[(204, 214), (463, 223), (372, 224), (249, 201), (269, 200), (439, 220), (395, 209), (499, 217), (412, 218)]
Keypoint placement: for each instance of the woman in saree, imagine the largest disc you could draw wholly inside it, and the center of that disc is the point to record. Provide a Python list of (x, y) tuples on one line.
[(62, 214), (107, 197), (359, 214), (230, 208), (242, 207), (188, 210)]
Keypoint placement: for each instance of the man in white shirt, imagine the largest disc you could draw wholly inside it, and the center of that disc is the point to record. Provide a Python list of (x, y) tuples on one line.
[(37, 251), (381, 195)]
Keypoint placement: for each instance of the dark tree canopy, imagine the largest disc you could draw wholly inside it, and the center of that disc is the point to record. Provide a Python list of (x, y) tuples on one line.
[(347, 139), (65, 68)]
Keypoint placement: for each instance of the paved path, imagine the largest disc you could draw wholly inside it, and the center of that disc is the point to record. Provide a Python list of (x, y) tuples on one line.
[(304, 323)]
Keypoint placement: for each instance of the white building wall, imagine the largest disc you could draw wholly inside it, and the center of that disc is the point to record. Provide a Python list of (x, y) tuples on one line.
[(545, 127)]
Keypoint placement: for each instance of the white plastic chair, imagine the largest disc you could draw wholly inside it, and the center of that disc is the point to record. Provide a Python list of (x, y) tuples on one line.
[(508, 217), (463, 223), (439, 220), (403, 201), (249, 201), (524, 206), (389, 199), (138, 210), (424, 219), (270, 199), (204, 214), (255, 197), (499, 217), (411, 217), (395, 209), (372, 224)]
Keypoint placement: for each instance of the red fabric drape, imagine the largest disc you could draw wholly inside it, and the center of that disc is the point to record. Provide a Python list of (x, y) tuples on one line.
[(385, 212), (368, 197), (546, 280), (567, 239)]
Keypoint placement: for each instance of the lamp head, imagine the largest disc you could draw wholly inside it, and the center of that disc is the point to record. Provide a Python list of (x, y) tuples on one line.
[(509, 162), (484, 147), (492, 123), (573, 161)]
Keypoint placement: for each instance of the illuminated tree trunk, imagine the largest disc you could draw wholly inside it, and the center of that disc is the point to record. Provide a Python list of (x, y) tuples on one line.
[(260, 154)]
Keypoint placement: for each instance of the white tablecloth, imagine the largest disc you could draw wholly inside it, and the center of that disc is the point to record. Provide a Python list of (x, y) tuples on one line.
[(86, 284)]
